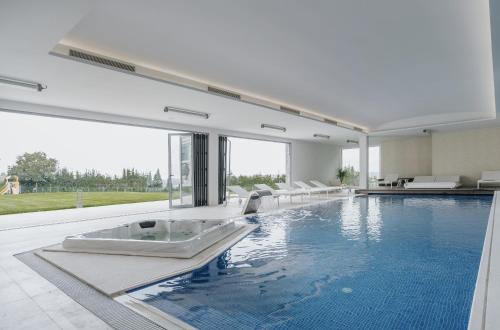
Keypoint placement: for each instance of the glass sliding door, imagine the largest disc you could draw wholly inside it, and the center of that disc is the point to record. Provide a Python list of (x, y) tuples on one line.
[(180, 152)]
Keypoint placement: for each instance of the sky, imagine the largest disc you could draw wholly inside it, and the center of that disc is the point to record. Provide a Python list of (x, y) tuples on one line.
[(257, 157), (108, 148)]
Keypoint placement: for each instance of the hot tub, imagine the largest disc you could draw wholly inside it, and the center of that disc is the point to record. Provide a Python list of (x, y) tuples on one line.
[(159, 238)]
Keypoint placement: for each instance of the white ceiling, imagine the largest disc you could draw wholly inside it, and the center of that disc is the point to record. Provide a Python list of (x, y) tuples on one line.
[(25, 54), (382, 65)]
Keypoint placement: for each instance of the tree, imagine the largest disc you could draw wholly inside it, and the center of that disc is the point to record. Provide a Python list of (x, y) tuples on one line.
[(34, 168), (149, 180), (157, 180), (350, 175), (248, 181)]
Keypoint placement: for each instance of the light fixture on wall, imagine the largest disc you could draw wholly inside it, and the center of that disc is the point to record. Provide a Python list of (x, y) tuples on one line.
[(22, 83), (278, 128), (352, 141), (322, 136), (187, 112)]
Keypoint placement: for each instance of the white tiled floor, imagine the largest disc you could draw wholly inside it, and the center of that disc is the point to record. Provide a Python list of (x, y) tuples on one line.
[(29, 301)]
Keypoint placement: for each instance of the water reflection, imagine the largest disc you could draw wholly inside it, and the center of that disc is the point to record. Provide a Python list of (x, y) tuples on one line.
[(271, 241), (350, 219), (374, 219)]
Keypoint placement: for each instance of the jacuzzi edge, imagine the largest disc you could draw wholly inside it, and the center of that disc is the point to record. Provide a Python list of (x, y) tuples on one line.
[(485, 293)]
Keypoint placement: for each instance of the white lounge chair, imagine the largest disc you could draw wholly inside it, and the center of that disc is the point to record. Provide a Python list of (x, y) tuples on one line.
[(242, 193), (284, 186), (281, 192), (489, 178), (320, 184), (434, 182), (310, 189), (390, 179)]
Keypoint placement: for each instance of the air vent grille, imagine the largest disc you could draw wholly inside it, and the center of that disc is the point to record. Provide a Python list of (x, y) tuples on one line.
[(357, 129), (290, 110), (223, 92), (101, 60), (329, 121)]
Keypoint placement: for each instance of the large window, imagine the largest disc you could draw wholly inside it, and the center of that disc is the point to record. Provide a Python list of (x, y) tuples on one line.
[(374, 163), (54, 163), (350, 161), (257, 161)]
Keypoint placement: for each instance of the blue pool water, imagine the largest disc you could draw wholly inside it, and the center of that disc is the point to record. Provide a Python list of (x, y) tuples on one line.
[(381, 262)]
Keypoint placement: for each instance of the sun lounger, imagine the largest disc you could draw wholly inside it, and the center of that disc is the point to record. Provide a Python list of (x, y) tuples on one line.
[(242, 193), (310, 189), (320, 184), (281, 192), (489, 178), (391, 179)]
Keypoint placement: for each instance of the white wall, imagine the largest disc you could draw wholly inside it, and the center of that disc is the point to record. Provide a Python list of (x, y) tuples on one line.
[(466, 153), (460, 152), (406, 156), (310, 161)]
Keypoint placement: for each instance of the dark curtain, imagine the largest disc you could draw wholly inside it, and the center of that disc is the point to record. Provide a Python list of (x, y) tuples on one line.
[(200, 168), (222, 168)]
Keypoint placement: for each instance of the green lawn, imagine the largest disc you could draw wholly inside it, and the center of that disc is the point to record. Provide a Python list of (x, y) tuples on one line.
[(33, 202)]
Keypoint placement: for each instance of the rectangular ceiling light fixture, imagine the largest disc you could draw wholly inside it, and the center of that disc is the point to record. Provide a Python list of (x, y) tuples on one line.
[(322, 136), (278, 128), (22, 83), (187, 112)]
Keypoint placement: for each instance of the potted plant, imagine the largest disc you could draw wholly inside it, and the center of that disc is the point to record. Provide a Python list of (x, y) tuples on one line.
[(341, 175)]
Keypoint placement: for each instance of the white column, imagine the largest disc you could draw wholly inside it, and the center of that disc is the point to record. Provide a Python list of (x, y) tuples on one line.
[(213, 168), (363, 162)]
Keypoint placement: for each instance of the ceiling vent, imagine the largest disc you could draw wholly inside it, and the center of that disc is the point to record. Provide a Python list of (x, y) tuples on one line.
[(101, 60), (289, 110), (357, 129), (223, 92), (331, 122)]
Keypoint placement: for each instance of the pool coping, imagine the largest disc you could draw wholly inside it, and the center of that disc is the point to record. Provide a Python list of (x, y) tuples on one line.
[(486, 299)]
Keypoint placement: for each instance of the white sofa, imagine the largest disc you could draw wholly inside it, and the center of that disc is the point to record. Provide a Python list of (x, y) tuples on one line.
[(434, 182), (490, 178)]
